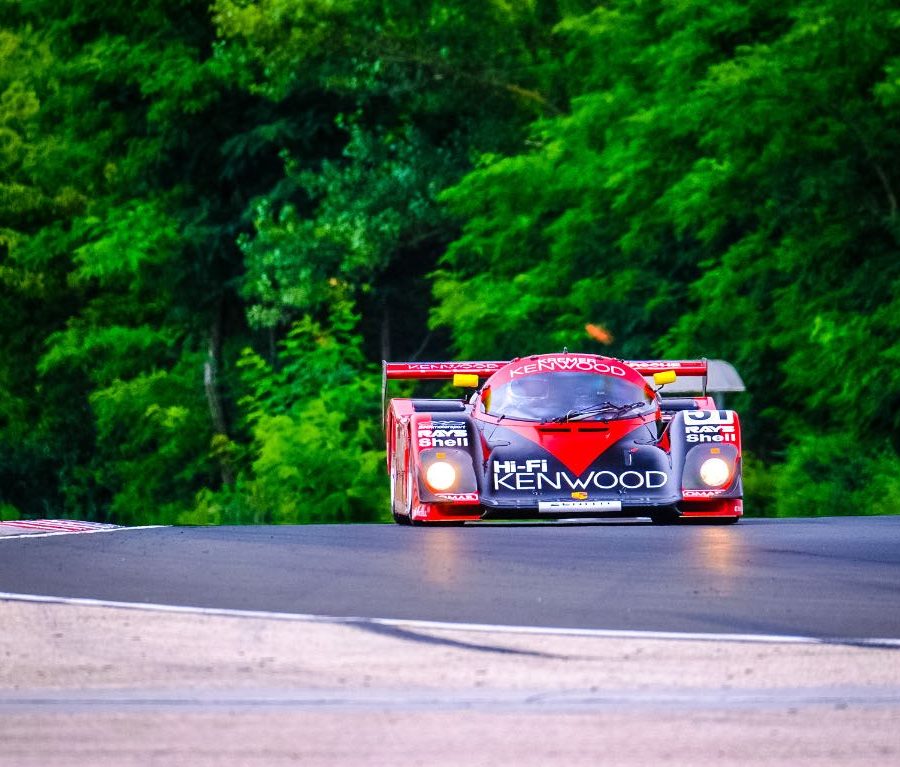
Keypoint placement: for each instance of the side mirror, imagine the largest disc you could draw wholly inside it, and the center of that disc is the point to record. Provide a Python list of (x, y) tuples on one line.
[(664, 377), (465, 380)]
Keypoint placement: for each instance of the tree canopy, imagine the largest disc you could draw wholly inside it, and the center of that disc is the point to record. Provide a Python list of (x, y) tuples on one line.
[(215, 221)]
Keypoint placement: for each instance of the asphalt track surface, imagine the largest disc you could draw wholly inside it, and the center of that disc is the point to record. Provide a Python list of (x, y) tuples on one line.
[(825, 578)]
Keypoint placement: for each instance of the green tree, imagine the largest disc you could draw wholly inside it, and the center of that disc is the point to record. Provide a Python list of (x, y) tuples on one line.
[(723, 186), (134, 124), (316, 453), (35, 206), (214, 220), (418, 91)]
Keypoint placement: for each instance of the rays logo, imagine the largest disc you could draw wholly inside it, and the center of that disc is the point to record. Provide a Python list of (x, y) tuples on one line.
[(442, 434), (709, 426)]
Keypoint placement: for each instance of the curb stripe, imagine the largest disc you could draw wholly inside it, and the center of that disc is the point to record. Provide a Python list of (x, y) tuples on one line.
[(85, 531)]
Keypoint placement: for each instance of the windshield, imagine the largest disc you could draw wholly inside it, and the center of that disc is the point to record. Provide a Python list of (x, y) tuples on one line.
[(568, 396)]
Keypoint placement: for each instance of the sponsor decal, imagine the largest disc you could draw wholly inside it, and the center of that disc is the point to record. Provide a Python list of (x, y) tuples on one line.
[(458, 497), (557, 506), (710, 434), (461, 367), (442, 434), (709, 426), (701, 493), (662, 364), (579, 495), (568, 362), (701, 417), (534, 475)]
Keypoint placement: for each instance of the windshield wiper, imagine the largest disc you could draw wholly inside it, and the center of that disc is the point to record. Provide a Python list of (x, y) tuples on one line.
[(598, 409)]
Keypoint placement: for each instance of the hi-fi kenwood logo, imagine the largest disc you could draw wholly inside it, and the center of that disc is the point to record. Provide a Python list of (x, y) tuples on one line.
[(534, 475)]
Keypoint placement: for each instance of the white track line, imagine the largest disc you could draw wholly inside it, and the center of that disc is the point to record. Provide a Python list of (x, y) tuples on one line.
[(465, 627), (77, 532)]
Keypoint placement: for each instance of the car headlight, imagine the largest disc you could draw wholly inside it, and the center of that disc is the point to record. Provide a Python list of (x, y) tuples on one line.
[(715, 472), (440, 476)]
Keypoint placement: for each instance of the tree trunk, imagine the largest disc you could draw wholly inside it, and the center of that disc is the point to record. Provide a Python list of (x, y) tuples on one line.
[(210, 384)]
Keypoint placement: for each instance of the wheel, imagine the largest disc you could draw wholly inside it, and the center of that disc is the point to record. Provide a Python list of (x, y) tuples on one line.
[(400, 519), (664, 516), (410, 486)]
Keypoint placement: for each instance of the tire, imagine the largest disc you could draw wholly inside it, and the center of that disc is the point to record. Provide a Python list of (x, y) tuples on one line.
[(400, 519), (664, 516), (410, 486)]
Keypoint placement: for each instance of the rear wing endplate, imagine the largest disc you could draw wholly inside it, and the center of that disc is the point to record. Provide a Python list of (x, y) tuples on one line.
[(694, 376)]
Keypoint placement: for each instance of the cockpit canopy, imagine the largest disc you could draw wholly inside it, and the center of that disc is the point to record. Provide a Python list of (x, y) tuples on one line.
[(563, 396)]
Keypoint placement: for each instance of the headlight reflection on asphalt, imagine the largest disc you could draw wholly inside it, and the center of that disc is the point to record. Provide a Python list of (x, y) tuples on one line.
[(442, 561), (717, 552)]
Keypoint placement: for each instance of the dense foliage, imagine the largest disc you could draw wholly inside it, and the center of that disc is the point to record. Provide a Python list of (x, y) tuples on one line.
[(216, 221)]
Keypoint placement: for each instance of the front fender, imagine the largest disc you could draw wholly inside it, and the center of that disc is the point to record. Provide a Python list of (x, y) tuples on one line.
[(698, 435), (451, 438)]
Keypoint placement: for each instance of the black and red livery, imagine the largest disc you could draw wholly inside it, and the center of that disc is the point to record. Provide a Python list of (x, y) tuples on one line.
[(565, 435)]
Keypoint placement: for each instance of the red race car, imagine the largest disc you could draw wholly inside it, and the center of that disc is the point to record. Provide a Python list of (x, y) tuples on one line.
[(566, 435)]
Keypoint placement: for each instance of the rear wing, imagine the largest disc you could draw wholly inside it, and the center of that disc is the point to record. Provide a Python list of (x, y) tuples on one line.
[(693, 376), (446, 370)]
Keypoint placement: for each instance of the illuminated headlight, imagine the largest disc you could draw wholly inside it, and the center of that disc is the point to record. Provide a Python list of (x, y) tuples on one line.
[(715, 472), (440, 476)]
